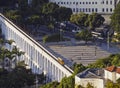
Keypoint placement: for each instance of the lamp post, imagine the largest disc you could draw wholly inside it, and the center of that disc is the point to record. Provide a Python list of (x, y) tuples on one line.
[(36, 81), (61, 34), (108, 41)]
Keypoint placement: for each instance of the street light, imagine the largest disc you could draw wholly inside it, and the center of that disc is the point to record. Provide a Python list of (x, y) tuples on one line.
[(61, 34), (108, 41)]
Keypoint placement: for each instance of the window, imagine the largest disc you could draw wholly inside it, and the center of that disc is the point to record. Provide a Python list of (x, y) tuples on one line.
[(83, 2), (86, 2), (89, 2), (96, 9), (89, 10), (106, 2), (76, 9), (80, 2), (70, 2), (103, 2), (80, 9), (67, 2), (73, 2), (83, 10), (110, 9), (86, 10), (58, 2), (111, 2), (76, 3), (61, 2), (92, 9), (102, 9), (95, 2), (73, 9), (106, 9), (64, 2), (92, 2)]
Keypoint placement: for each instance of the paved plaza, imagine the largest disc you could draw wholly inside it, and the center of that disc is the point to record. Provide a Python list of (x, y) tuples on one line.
[(81, 53)]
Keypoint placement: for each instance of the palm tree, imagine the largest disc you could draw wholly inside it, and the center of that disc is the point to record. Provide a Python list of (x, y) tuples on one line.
[(3, 53), (1, 42), (10, 55), (10, 42), (17, 53)]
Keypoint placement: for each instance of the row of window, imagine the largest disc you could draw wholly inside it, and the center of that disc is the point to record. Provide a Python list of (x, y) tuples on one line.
[(91, 10), (76, 3), (107, 10), (106, 2), (85, 10)]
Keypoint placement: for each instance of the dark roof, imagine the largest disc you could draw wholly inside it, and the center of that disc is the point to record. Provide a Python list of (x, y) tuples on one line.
[(92, 73)]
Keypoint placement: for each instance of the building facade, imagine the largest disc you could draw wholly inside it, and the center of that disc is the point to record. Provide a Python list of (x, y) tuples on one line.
[(88, 6), (92, 76)]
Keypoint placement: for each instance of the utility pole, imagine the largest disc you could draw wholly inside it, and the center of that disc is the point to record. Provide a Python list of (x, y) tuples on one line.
[(108, 41), (61, 34)]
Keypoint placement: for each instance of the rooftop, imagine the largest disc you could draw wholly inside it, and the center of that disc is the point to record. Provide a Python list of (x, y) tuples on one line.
[(113, 69), (92, 73)]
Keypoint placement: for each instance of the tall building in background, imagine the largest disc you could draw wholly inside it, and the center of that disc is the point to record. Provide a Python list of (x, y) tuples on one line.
[(89, 6)]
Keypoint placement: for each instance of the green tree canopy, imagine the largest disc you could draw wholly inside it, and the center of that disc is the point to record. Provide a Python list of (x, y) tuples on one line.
[(78, 68), (84, 35), (67, 82), (79, 19), (62, 14), (94, 20), (115, 19), (49, 8)]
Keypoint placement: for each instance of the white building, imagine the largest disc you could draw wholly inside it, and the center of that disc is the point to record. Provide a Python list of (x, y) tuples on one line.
[(112, 73), (88, 6), (92, 76)]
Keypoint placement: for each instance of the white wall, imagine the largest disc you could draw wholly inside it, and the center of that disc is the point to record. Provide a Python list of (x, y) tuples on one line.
[(117, 76), (36, 56), (96, 82), (88, 4), (110, 75)]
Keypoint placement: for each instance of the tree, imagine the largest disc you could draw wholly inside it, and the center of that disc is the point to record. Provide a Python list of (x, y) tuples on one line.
[(110, 84), (84, 35), (48, 9), (37, 3), (78, 68), (7, 3), (3, 54), (67, 82), (64, 14), (118, 80), (94, 20), (79, 19), (89, 85), (17, 53), (115, 22), (116, 60), (34, 20), (79, 86), (51, 85), (14, 15), (17, 78)]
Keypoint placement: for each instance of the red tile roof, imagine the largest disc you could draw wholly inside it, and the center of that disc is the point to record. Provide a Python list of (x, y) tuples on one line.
[(113, 69), (118, 70)]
